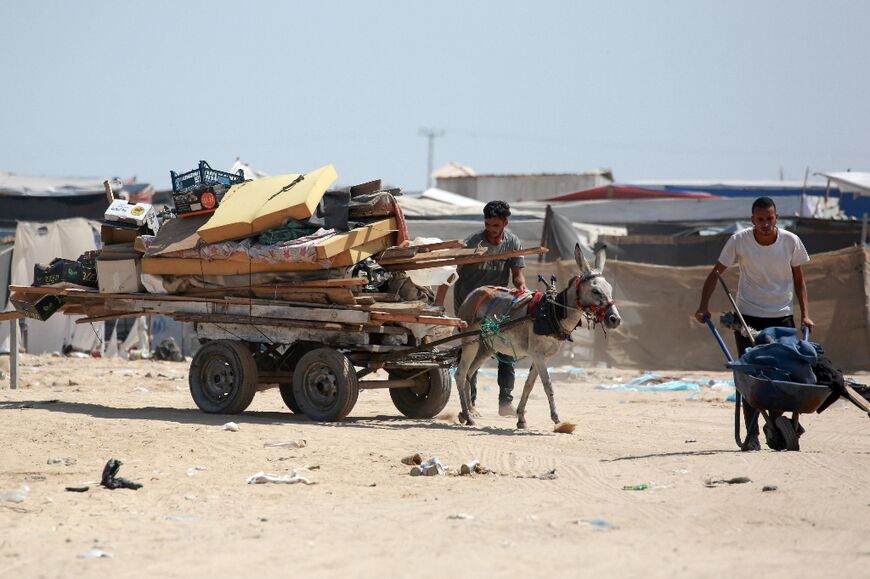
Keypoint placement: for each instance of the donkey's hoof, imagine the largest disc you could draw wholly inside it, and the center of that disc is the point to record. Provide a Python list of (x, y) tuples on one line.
[(462, 417), (521, 424), (555, 418)]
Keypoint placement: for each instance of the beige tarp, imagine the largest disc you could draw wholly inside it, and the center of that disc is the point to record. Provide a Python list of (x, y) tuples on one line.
[(657, 303)]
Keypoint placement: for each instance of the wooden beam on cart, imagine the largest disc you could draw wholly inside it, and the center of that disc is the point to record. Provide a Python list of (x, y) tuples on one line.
[(409, 265)]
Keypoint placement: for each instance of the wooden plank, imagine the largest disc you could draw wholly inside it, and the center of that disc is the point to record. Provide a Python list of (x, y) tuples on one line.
[(342, 315), (270, 334), (430, 255), (464, 260), (13, 315), (317, 283), (39, 290), (13, 354), (256, 320), (451, 244), (412, 319), (354, 238)]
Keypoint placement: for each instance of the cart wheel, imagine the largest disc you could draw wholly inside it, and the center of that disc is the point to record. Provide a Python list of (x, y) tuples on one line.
[(223, 377), (425, 401), (325, 386), (287, 396), (786, 429)]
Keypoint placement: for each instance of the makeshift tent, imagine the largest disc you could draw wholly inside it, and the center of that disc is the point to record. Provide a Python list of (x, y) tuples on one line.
[(657, 304), (41, 243), (624, 211), (849, 181), (27, 198)]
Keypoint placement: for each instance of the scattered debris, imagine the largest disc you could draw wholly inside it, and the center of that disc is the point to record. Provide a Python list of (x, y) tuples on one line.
[(769, 488), (231, 426), (64, 460), (461, 517), (637, 487), (95, 554), (195, 469), (565, 428), (16, 496), (431, 467), (290, 444), (292, 478), (82, 489), (737, 480), (474, 467), (689, 441), (549, 475), (413, 459), (110, 479), (598, 524)]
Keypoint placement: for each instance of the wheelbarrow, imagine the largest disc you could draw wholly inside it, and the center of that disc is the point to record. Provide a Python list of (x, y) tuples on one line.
[(771, 399)]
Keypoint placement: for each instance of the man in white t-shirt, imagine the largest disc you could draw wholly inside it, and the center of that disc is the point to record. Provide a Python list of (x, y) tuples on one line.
[(770, 275)]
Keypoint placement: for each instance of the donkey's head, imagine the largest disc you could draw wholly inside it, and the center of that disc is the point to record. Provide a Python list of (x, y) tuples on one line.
[(594, 294)]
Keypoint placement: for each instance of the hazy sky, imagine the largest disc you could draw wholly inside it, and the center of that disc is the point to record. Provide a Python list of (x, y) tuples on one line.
[(653, 90)]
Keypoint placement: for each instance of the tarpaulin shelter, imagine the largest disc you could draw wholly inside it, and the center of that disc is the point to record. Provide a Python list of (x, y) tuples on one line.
[(657, 304), (41, 243)]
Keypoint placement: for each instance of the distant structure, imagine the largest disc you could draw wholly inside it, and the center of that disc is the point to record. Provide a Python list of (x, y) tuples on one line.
[(462, 180)]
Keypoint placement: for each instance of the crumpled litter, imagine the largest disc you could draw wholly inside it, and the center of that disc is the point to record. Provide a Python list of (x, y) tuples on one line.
[(413, 459), (653, 383), (737, 480), (16, 496), (231, 426), (289, 479), (290, 444), (431, 467), (110, 479), (94, 554)]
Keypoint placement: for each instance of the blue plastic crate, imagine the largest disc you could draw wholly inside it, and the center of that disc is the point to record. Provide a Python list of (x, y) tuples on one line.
[(204, 175)]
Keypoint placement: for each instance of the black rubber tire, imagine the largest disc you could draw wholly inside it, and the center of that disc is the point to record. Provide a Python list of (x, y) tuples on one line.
[(287, 396), (425, 402), (223, 377), (325, 386), (786, 430)]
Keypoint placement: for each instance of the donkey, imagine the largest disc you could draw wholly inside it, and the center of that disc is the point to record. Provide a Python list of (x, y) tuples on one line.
[(587, 296)]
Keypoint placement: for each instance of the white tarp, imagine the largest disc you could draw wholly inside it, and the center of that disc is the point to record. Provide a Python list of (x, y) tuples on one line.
[(850, 181), (41, 243)]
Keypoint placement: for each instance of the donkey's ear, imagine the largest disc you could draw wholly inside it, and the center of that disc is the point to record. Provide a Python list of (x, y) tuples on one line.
[(600, 256), (581, 260)]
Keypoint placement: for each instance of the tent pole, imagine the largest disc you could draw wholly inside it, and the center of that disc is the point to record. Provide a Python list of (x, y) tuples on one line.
[(13, 354), (864, 230), (544, 233)]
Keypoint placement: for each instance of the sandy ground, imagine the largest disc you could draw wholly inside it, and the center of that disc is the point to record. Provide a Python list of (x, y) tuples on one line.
[(366, 517)]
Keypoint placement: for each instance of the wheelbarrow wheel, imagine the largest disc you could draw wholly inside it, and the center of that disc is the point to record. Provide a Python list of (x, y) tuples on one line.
[(786, 430)]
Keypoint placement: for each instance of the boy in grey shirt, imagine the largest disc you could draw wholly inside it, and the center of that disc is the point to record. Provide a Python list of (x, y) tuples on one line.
[(497, 239)]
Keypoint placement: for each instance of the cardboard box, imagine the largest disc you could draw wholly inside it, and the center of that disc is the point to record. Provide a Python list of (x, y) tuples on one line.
[(120, 276), (199, 200), (36, 306), (137, 214), (65, 273)]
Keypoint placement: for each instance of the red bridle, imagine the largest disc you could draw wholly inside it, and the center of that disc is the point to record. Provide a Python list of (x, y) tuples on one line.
[(592, 312)]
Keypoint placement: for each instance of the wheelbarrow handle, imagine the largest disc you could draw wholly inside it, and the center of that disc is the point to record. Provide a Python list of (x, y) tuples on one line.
[(719, 339)]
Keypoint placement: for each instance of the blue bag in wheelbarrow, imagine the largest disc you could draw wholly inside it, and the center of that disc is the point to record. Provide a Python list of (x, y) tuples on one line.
[(780, 354)]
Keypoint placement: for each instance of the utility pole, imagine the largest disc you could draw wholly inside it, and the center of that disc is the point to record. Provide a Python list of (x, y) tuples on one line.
[(431, 135)]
